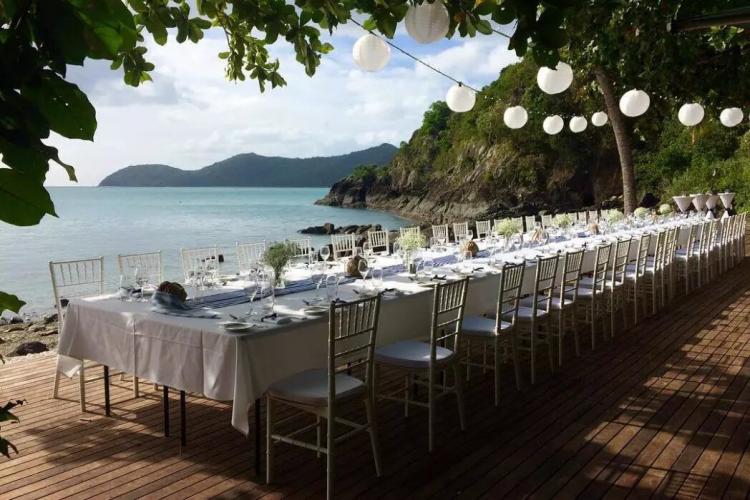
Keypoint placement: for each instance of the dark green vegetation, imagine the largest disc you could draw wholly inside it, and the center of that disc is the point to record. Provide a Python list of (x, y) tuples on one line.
[(471, 165), (255, 170)]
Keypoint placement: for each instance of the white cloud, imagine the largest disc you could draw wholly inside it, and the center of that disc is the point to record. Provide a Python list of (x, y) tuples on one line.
[(191, 116)]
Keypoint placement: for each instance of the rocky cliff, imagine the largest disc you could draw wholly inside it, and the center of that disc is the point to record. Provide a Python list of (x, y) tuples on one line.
[(470, 165)]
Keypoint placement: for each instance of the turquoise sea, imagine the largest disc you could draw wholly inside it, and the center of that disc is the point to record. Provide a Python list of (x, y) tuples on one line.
[(106, 221)]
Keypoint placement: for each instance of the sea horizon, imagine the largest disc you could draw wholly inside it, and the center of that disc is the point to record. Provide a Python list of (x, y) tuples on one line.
[(107, 220)]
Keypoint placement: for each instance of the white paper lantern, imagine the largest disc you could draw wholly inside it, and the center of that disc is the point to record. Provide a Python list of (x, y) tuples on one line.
[(599, 119), (554, 81), (460, 99), (578, 124), (634, 103), (515, 117), (690, 114), (371, 53), (553, 124), (427, 22), (731, 117)]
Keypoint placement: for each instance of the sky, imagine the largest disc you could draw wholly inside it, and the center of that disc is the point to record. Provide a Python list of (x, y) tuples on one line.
[(191, 116)]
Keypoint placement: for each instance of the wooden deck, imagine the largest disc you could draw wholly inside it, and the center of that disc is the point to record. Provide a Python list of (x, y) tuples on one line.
[(661, 409)]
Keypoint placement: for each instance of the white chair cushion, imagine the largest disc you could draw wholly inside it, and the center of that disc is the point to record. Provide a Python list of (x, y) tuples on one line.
[(311, 387), (411, 354), (555, 302), (526, 313), (479, 326)]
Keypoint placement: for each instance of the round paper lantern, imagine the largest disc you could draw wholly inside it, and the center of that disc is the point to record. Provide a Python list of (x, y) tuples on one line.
[(599, 119), (731, 117), (577, 124), (553, 124), (427, 22), (634, 103), (515, 117), (460, 99), (690, 114), (371, 53), (554, 81)]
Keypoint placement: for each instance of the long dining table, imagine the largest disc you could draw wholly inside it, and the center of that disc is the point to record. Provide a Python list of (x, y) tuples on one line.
[(196, 355)]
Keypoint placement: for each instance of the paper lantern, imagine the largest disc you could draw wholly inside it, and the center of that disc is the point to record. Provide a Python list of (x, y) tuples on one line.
[(427, 22), (554, 81), (577, 124), (515, 117), (460, 99), (690, 114), (553, 124), (371, 53), (599, 119), (634, 103), (731, 117)]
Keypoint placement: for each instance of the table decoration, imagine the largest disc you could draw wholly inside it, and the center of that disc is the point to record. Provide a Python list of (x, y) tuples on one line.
[(408, 245), (665, 209), (641, 212), (277, 257)]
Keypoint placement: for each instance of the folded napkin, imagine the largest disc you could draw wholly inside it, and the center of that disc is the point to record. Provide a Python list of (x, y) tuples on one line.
[(166, 303)]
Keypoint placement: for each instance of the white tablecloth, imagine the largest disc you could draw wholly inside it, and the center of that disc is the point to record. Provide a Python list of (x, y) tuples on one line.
[(197, 356)]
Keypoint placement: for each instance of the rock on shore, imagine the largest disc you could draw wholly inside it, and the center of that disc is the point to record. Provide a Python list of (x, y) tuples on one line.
[(328, 228), (20, 338)]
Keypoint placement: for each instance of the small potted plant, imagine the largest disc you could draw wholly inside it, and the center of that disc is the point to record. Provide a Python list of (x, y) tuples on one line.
[(641, 212), (277, 256), (409, 244), (665, 209), (563, 221)]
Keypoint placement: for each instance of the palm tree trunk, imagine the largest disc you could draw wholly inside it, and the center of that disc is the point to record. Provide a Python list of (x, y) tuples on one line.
[(622, 138)]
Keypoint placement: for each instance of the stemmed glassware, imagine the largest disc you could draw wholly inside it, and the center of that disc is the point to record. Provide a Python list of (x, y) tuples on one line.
[(364, 270), (325, 253)]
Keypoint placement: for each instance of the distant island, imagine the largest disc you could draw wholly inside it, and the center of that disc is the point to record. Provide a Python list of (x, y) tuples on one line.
[(250, 169)]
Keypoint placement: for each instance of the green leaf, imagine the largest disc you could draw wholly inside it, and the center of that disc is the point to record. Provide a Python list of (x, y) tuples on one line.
[(10, 302), (65, 106), (23, 202)]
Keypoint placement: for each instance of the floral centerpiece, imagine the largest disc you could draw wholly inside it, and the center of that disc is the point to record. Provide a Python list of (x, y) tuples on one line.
[(410, 243), (563, 221), (641, 212), (665, 209), (615, 216), (507, 227), (277, 256)]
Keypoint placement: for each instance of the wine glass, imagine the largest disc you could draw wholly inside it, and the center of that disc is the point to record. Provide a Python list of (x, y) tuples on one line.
[(377, 279), (364, 270), (325, 253), (252, 293), (332, 287), (467, 256), (427, 267)]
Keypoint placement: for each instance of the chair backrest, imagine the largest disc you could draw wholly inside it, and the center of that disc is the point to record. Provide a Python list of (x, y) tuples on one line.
[(546, 221), (601, 266), (448, 302), (509, 292), (713, 233), (571, 275), (620, 261), (461, 231), (593, 216), (518, 221), (483, 228), (403, 231), (148, 266), (440, 233), (641, 259), (301, 248), (352, 332), (690, 243), (670, 246), (529, 223), (704, 238), (343, 245), (195, 258), (379, 241), (76, 278), (249, 255), (544, 282), (659, 249), (581, 216), (727, 228)]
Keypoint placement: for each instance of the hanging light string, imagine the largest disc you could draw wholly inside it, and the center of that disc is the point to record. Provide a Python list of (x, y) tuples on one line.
[(429, 66)]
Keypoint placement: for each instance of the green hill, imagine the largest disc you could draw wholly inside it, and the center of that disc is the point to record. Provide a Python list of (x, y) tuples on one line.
[(250, 169)]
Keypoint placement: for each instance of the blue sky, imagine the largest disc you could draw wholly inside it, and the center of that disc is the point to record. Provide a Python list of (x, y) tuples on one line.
[(191, 116)]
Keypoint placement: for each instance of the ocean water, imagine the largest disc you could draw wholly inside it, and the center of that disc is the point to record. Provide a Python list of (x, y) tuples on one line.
[(106, 221)]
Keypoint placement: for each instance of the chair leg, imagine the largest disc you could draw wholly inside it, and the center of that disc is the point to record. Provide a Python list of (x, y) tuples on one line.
[(56, 384), (330, 451), (468, 360), (107, 410), (269, 440), (407, 391), (459, 395), (430, 411), (373, 428), (497, 372), (532, 339), (576, 339), (82, 386), (560, 335), (548, 337), (136, 388), (593, 324), (516, 360), (317, 437)]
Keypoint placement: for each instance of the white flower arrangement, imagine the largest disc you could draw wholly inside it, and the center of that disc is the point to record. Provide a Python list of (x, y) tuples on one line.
[(615, 216), (411, 241), (507, 227), (641, 212), (562, 221), (665, 209)]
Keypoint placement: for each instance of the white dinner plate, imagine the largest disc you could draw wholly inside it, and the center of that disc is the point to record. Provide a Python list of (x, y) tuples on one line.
[(236, 326), (316, 310)]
